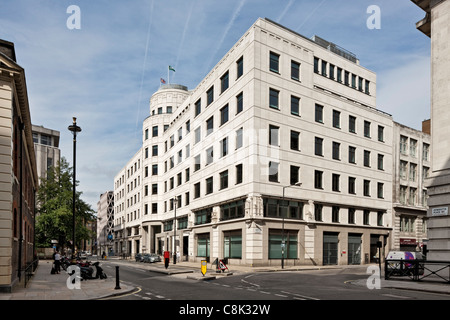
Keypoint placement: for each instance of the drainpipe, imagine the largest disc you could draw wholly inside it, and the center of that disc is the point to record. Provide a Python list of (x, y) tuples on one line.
[(21, 127)]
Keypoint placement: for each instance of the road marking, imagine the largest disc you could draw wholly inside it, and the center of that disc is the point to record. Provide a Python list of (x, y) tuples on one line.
[(299, 296), (280, 295), (394, 296)]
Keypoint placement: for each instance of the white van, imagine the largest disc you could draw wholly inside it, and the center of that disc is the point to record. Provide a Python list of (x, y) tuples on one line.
[(395, 266)]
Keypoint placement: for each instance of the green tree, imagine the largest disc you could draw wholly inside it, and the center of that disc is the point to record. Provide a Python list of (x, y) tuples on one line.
[(55, 216)]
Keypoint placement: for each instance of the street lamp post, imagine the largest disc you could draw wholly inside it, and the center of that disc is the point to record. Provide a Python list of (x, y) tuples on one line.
[(297, 184), (74, 129), (175, 231)]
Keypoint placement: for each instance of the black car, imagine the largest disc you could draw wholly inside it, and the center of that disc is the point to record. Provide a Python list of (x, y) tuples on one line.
[(139, 257)]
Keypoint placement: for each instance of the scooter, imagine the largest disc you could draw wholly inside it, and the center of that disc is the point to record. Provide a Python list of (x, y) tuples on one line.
[(99, 274)]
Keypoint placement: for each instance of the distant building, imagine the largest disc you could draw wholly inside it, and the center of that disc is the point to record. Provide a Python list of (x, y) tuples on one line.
[(412, 162), (105, 223), (18, 174), (46, 146)]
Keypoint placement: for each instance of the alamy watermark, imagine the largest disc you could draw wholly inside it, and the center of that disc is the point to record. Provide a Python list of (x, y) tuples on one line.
[(74, 280), (374, 20), (74, 20), (374, 280)]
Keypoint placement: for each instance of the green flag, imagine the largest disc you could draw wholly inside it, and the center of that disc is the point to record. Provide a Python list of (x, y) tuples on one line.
[(170, 68)]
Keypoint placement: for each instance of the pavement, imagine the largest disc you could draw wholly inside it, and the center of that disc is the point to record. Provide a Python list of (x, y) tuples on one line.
[(46, 286)]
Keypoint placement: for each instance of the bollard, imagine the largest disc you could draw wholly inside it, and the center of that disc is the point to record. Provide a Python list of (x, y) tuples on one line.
[(117, 279)]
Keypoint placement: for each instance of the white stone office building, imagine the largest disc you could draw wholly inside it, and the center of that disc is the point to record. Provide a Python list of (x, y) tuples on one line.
[(219, 165), (412, 162)]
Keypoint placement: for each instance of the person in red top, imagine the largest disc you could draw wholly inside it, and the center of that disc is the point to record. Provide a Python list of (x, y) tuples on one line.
[(166, 259)]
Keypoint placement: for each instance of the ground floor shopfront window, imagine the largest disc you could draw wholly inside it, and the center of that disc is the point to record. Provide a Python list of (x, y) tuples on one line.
[(232, 244), (275, 244)]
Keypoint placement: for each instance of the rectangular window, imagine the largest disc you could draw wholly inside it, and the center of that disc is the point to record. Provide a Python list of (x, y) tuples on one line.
[(239, 138), (336, 151), (273, 171), (318, 179), (316, 65), (351, 215), (232, 244), (273, 98), (339, 75), (324, 68), (187, 175), (319, 113), (366, 158), (295, 140), (274, 62), (239, 103), (332, 68), (188, 126), (224, 147), (360, 84), (413, 148), (209, 185), (381, 133), (224, 82), (154, 151), (352, 124), (210, 96), (380, 162), (426, 152), (294, 178), (366, 187), (351, 185), (223, 179), (224, 115), (209, 155), (335, 214), (154, 170), (273, 135), (404, 145), (239, 174), (318, 146), (198, 134), (295, 70), (380, 190), (240, 67), (295, 106), (197, 163), (318, 212), (209, 125), (198, 107), (351, 154), (197, 190), (335, 182), (276, 238), (155, 188), (366, 217), (155, 131), (366, 129), (347, 78), (336, 119)]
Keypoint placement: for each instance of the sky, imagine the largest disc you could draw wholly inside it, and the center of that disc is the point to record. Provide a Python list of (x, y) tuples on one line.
[(102, 62)]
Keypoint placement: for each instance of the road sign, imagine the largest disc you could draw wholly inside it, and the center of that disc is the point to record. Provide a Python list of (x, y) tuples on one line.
[(204, 264)]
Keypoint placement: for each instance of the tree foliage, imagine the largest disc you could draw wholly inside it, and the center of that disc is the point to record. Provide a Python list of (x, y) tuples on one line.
[(55, 215)]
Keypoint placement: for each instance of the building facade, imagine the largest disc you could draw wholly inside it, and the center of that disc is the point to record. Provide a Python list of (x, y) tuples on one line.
[(46, 146), (105, 223), (18, 175), (412, 163), (279, 155), (436, 25)]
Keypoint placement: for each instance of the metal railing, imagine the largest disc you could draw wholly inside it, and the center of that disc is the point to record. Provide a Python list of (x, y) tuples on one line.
[(29, 270), (417, 270)]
